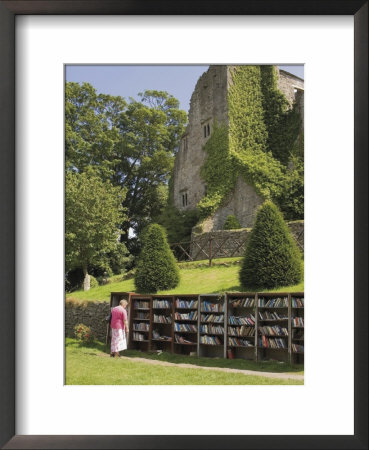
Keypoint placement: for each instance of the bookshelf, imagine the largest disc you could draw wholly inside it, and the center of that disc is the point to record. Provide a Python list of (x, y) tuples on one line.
[(272, 326), (185, 328), (241, 335), (212, 326), (161, 335), (140, 323), (297, 328)]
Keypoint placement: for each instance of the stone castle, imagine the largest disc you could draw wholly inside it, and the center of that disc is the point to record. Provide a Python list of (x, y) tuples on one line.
[(209, 104)]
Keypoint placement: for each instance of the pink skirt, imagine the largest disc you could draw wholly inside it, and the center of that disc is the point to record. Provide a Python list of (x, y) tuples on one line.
[(118, 340)]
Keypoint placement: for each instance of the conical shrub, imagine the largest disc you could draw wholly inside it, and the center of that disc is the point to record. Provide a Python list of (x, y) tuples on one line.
[(156, 267), (272, 258)]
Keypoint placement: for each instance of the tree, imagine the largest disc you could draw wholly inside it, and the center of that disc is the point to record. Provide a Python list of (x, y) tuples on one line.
[(272, 258), (130, 144), (93, 213), (231, 223), (156, 267)]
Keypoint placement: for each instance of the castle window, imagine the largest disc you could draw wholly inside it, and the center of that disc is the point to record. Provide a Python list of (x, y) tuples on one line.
[(208, 129), (184, 199), (185, 145)]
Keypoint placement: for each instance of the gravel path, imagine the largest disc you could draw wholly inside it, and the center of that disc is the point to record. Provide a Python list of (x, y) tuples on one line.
[(284, 376)]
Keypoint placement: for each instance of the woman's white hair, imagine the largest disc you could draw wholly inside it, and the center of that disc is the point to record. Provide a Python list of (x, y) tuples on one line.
[(123, 302)]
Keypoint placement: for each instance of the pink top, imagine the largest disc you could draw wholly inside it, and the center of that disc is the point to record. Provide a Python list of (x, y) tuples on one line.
[(118, 316)]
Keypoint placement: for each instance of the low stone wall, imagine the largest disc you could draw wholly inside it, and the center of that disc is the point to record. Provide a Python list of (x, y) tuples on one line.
[(227, 243), (91, 314)]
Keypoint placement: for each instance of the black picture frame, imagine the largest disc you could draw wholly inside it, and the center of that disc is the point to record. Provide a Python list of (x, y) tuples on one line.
[(8, 11)]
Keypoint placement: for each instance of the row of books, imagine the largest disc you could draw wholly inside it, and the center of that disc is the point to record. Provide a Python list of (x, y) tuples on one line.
[(212, 318), (181, 340), (212, 307), (185, 327), (139, 337), (273, 302), (186, 316), (156, 335), (161, 304), (211, 329), (210, 340), (141, 326), (297, 302), (272, 342), (142, 315), (266, 315), (297, 348), (242, 302), (297, 321), (241, 331), (244, 320), (235, 342), (186, 303), (141, 304), (276, 330), (160, 318)]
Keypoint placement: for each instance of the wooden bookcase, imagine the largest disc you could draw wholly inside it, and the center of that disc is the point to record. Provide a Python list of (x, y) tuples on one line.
[(297, 328), (241, 328), (141, 322), (272, 326), (212, 326), (218, 326), (185, 327), (161, 335)]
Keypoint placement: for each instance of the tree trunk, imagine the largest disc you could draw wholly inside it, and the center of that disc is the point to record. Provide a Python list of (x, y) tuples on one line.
[(86, 281)]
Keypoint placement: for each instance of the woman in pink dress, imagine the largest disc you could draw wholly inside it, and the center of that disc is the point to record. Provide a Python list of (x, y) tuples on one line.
[(119, 328)]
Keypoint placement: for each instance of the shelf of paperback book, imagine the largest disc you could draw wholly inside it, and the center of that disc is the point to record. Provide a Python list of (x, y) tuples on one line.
[(140, 323), (161, 336), (297, 328), (185, 324), (212, 336)]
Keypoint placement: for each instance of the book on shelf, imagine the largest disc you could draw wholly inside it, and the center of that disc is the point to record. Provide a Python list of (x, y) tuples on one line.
[(139, 315), (186, 304), (275, 330), (210, 340), (161, 304), (157, 336), (242, 320), (297, 348), (278, 302), (236, 342), (267, 315), (186, 316), (297, 333), (141, 326), (185, 327), (181, 340), (297, 322), (207, 306), (160, 318), (139, 337), (141, 304), (270, 342), (212, 329), (246, 302), (212, 318), (297, 302), (242, 330)]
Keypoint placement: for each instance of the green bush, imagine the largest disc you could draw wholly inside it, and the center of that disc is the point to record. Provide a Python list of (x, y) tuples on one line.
[(272, 258), (231, 223), (156, 267), (83, 333)]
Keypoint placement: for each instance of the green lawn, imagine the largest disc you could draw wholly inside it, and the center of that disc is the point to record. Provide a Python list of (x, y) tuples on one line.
[(196, 277), (88, 365)]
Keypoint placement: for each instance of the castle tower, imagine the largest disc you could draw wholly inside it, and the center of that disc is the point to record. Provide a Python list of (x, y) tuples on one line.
[(209, 104)]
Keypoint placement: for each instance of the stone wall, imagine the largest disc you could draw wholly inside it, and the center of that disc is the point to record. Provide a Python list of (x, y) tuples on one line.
[(91, 314), (227, 243)]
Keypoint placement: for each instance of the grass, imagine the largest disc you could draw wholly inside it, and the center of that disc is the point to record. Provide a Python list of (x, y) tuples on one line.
[(196, 277), (88, 365)]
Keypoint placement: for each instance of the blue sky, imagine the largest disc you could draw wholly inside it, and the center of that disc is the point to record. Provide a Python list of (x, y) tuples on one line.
[(127, 81)]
